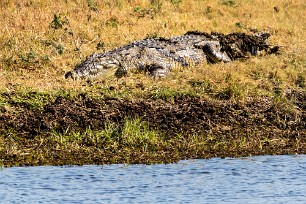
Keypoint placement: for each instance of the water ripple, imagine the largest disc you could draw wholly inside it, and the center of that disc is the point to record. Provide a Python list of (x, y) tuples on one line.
[(264, 179)]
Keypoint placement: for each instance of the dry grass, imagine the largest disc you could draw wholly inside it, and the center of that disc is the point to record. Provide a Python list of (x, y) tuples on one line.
[(41, 40)]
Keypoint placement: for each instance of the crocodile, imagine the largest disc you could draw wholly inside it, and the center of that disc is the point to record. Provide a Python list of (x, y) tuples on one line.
[(158, 56)]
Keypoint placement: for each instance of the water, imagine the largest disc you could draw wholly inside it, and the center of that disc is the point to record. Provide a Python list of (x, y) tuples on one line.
[(264, 179)]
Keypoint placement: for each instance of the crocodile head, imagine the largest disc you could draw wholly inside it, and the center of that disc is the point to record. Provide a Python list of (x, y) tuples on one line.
[(94, 65)]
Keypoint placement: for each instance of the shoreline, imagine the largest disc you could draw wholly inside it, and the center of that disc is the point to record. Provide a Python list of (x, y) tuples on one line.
[(86, 130)]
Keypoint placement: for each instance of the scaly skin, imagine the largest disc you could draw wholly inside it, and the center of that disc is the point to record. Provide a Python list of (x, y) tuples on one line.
[(159, 55)]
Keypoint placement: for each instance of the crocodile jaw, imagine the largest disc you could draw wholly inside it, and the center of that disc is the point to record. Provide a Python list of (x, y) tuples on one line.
[(93, 66)]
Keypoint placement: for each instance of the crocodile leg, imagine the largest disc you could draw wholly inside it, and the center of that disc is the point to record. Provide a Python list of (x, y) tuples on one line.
[(213, 52), (156, 62), (158, 71)]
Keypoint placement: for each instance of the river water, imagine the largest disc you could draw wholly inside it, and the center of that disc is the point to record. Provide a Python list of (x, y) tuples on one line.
[(262, 179)]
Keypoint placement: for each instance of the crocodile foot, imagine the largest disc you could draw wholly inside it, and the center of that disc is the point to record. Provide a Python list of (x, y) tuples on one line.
[(213, 51), (158, 71)]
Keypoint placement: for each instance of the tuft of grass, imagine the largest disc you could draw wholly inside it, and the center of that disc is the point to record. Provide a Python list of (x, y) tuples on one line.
[(168, 93), (229, 2), (92, 4), (137, 134), (133, 134), (156, 5), (232, 91), (25, 99), (300, 80), (59, 21), (201, 86), (112, 22)]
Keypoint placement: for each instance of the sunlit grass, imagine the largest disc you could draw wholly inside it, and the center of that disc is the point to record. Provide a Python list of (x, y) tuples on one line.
[(42, 40)]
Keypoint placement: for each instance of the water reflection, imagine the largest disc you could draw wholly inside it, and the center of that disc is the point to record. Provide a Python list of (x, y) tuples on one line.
[(268, 179)]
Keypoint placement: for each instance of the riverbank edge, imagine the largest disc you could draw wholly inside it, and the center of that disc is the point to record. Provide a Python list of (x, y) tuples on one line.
[(86, 130)]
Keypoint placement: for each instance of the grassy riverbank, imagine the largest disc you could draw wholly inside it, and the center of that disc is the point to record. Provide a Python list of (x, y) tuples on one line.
[(251, 107)]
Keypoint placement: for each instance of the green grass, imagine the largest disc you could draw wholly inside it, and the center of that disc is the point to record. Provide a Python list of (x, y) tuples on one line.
[(133, 134)]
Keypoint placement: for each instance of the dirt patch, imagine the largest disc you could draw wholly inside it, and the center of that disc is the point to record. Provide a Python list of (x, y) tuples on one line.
[(193, 128), (187, 115)]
